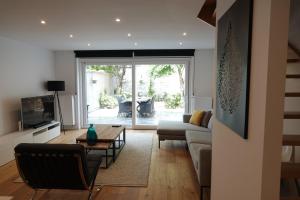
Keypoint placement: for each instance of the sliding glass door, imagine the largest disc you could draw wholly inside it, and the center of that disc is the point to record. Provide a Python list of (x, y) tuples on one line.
[(107, 91), (136, 94), (160, 92)]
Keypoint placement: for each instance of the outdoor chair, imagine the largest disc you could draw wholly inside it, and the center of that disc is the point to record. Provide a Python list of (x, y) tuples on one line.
[(125, 107), (57, 166), (146, 108)]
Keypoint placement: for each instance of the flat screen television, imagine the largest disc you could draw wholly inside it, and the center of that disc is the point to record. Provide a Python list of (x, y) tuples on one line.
[(37, 111)]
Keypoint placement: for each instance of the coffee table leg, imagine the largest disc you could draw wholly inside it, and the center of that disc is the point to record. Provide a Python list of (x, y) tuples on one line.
[(124, 135), (106, 159), (114, 151)]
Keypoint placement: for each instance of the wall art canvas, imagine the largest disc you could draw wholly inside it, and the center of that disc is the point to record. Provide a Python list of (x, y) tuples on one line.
[(233, 66)]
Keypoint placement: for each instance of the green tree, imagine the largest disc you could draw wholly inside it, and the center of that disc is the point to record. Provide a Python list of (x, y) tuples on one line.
[(151, 91), (159, 71), (117, 71)]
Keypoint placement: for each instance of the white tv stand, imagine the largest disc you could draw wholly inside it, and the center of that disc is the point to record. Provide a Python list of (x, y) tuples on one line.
[(42, 134)]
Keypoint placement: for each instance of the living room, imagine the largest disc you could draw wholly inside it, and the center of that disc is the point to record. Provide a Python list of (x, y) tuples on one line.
[(145, 77)]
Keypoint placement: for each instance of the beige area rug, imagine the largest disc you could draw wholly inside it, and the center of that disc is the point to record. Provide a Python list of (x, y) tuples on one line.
[(133, 164)]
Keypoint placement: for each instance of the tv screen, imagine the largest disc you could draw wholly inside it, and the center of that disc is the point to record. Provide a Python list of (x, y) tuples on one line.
[(37, 111)]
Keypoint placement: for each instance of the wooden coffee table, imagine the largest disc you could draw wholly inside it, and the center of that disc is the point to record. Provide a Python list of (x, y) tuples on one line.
[(110, 139)]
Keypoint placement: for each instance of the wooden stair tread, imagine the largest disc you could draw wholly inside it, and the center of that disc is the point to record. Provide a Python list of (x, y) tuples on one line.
[(293, 60), (293, 76), (291, 140), (292, 115), (290, 170), (289, 198), (292, 94)]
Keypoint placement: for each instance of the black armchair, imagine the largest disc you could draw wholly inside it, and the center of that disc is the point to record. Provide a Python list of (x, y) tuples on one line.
[(57, 166)]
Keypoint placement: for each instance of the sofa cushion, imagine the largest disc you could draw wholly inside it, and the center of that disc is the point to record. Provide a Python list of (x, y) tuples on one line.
[(198, 137), (195, 150), (186, 117), (201, 157), (192, 127), (196, 117), (205, 119), (177, 128), (171, 128)]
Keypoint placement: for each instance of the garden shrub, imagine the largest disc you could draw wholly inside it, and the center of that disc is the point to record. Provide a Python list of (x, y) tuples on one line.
[(174, 101), (107, 101)]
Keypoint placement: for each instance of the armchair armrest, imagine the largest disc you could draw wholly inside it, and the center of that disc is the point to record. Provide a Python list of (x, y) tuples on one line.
[(186, 118)]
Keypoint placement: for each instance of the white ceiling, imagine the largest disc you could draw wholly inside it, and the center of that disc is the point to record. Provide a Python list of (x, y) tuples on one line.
[(154, 24)]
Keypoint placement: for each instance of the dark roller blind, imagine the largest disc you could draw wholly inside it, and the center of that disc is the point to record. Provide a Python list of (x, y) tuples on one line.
[(103, 53), (129, 53), (165, 52)]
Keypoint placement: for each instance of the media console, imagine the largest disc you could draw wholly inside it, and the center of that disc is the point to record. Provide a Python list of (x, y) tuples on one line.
[(42, 134)]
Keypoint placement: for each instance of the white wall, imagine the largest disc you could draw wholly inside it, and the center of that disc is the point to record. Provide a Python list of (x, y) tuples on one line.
[(250, 169), (24, 69), (102, 83), (65, 70), (201, 80), (202, 73)]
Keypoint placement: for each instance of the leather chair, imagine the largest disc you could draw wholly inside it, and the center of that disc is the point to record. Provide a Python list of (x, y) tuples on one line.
[(57, 166)]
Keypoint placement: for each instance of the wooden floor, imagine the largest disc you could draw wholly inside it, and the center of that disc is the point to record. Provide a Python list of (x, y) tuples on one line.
[(172, 177)]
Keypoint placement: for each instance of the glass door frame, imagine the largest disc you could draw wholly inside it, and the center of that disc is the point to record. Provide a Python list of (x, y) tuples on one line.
[(82, 63)]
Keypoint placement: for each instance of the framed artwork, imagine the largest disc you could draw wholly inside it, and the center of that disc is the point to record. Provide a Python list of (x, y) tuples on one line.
[(233, 66)]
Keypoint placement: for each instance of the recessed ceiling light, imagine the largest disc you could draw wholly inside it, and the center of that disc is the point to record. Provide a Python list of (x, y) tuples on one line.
[(43, 22), (117, 19), (71, 36), (129, 34), (89, 44), (135, 44), (180, 43), (184, 33)]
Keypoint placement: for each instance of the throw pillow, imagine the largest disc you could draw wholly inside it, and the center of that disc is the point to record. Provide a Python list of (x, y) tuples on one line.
[(205, 119), (196, 117)]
